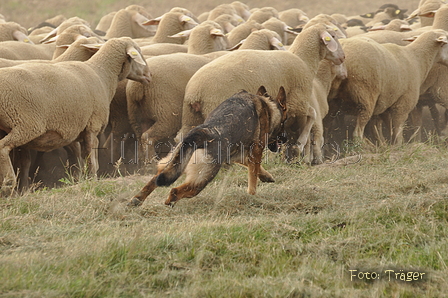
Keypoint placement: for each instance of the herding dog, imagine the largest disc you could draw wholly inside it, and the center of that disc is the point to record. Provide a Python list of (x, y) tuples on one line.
[(236, 131)]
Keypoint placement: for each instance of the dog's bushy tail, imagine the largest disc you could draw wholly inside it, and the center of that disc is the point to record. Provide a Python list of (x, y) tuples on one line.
[(178, 160)]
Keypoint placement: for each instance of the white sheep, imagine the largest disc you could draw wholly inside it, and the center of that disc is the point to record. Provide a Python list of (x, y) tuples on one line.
[(24, 51), (387, 77), (249, 69), (52, 36), (263, 39), (13, 31), (280, 27), (155, 110), (241, 32), (205, 38), (72, 102), (169, 24), (263, 14), (130, 22)]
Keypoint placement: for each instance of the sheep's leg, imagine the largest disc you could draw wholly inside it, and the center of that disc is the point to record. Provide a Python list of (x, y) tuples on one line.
[(7, 176), (362, 119), (12, 140), (398, 120), (151, 138), (91, 151), (24, 171)]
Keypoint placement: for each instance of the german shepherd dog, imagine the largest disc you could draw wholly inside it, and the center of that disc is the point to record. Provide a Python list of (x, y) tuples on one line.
[(236, 131)]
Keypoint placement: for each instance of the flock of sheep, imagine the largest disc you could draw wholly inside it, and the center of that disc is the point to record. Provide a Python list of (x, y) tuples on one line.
[(136, 84)]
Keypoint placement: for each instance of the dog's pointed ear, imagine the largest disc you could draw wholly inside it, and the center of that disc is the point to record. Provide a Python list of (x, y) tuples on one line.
[(281, 98), (262, 91)]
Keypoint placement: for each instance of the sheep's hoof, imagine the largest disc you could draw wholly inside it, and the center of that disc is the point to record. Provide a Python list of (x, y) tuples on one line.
[(134, 202)]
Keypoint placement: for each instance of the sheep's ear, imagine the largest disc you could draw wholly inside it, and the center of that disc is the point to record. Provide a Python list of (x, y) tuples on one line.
[(281, 98), (216, 32), (405, 27), (277, 44), (262, 91), (134, 54), (20, 36), (329, 41), (186, 19), (141, 20), (429, 14), (414, 14), (290, 30), (93, 47), (237, 46), (376, 28), (411, 39), (443, 39), (155, 21), (50, 35), (185, 33)]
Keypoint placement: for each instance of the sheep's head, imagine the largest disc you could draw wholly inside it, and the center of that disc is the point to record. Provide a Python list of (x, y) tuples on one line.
[(334, 51), (138, 69)]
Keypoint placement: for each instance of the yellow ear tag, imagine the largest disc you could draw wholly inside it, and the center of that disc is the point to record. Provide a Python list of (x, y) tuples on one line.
[(368, 15), (397, 11), (280, 44), (327, 38), (187, 19), (26, 40), (134, 53)]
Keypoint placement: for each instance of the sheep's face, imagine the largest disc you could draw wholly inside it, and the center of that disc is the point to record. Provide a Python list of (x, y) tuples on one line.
[(135, 68), (444, 52), (333, 48)]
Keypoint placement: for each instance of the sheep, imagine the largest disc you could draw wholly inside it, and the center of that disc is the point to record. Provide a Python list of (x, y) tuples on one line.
[(70, 104), (155, 110), (294, 18), (263, 39), (280, 27), (387, 77), (222, 9), (241, 32), (50, 37), (205, 38), (425, 11), (71, 34), (163, 49), (327, 73), (263, 14), (13, 31), (241, 9), (51, 22), (170, 24), (394, 25), (228, 22), (249, 69), (23, 51), (105, 21), (130, 22)]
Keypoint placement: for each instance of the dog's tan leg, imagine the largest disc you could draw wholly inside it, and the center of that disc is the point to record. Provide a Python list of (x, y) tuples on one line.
[(186, 190), (254, 163), (263, 175), (139, 198)]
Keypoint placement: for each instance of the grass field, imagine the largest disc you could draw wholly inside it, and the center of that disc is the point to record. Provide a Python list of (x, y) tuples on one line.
[(303, 236), (372, 224)]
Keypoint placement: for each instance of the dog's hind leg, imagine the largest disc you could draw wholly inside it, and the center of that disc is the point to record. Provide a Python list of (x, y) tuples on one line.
[(263, 175), (199, 174)]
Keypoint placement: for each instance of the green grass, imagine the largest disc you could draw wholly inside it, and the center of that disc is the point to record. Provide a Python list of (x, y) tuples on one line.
[(298, 237)]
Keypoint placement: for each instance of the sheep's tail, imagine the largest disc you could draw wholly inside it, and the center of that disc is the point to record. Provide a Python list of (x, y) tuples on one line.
[(172, 166)]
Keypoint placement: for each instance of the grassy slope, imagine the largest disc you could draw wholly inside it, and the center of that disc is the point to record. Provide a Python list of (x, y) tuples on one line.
[(299, 236)]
